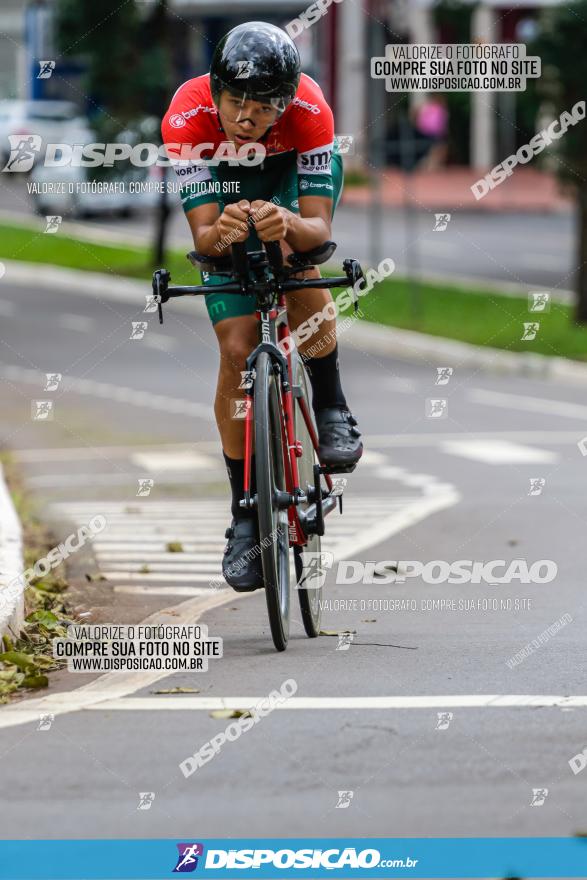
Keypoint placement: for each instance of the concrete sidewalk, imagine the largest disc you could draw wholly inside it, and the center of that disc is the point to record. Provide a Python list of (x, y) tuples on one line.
[(527, 190)]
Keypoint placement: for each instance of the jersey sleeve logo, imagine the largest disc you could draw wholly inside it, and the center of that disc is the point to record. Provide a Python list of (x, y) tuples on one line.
[(316, 161), (176, 120), (313, 108)]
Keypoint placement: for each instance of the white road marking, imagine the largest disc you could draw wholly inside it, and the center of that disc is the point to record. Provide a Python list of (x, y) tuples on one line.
[(529, 404), (93, 478), (370, 458), (186, 460), (129, 549), (81, 323), (83, 453), (166, 576), (199, 527), (499, 452), (398, 383), (459, 701), (112, 685), (143, 590), (159, 342), (436, 438), (147, 556), (379, 441), (115, 685), (418, 480), (161, 402)]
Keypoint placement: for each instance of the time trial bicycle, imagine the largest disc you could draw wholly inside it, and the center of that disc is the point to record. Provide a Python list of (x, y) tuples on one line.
[(294, 491)]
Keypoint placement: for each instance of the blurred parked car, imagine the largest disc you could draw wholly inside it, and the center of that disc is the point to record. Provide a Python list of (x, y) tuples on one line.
[(54, 121), (83, 192)]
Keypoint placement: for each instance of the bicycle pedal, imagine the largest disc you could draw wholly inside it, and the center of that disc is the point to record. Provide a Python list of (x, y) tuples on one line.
[(337, 469)]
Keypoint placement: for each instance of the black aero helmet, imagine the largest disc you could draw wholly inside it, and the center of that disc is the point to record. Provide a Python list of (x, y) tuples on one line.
[(257, 61)]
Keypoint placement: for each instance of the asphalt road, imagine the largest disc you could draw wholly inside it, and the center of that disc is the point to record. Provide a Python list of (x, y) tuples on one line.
[(527, 249), (454, 488)]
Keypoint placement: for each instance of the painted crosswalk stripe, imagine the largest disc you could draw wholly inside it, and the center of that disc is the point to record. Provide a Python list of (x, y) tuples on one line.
[(163, 462), (144, 590), (499, 452), (132, 551)]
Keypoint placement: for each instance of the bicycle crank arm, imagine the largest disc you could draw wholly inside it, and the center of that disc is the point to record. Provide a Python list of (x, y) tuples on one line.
[(312, 519)]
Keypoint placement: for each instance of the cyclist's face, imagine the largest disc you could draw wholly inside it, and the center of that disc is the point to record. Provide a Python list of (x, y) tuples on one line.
[(244, 120)]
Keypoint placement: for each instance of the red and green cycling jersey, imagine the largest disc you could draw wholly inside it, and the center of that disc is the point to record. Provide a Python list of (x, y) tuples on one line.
[(298, 149)]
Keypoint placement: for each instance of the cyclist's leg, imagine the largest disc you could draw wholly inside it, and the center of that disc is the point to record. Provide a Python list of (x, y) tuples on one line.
[(237, 336), (312, 315), (307, 307)]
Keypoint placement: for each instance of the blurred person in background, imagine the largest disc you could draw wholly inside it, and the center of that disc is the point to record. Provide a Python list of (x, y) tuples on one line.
[(431, 123)]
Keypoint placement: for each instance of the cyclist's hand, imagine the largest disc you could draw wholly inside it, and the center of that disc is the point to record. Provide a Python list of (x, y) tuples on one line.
[(232, 223), (271, 221)]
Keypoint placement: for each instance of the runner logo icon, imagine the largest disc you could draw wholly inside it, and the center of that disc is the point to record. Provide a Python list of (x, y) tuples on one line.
[(23, 151), (187, 860)]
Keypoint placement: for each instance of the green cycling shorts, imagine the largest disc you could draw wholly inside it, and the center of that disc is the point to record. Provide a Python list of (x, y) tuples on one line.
[(282, 186)]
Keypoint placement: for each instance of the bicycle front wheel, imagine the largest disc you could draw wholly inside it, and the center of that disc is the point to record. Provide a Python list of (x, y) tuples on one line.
[(308, 559), (273, 524)]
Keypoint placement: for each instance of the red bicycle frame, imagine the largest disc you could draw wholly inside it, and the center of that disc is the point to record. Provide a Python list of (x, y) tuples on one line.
[(289, 441)]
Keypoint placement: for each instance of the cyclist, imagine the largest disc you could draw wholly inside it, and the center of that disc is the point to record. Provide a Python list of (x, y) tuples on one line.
[(255, 93)]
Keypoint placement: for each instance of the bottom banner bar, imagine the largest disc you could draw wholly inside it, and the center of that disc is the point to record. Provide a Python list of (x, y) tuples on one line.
[(488, 857)]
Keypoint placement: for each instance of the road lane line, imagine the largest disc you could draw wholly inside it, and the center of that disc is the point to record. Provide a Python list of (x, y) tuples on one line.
[(529, 404), (81, 323), (464, 701), (386, 441), (134, 396), (113, 685)]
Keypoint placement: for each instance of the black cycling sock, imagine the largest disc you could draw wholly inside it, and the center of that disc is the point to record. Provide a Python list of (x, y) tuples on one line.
[(325, 380), (236, 476)]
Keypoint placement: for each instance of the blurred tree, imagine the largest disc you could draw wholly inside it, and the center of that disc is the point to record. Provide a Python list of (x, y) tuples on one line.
[(452, 21), (561, 45), (128, 57)]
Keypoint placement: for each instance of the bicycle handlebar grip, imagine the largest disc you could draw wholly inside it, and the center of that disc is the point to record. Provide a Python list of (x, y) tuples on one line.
[(161, 278), (239, 257), (274, 255)]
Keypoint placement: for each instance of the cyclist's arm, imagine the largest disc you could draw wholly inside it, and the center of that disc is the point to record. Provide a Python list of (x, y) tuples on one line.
[(213, 232), (311, 227)]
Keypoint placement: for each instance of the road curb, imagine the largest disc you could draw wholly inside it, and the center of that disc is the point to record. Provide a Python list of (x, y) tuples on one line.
[(11, 565), (438, 351), (98, 285), (407, 345)]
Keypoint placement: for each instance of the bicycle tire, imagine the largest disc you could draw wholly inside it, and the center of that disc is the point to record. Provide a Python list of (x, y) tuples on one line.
[(273, 524), (310, 599)]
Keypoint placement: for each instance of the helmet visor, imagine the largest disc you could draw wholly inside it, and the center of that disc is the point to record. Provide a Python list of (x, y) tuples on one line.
[(256, 91)]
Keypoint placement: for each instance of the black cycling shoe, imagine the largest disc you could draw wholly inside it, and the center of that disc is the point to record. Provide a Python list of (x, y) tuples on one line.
[(340, 446), (241, 563)]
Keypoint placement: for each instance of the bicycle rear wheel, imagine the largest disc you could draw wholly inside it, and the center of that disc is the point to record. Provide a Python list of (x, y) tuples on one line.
[(308, 559), (273, 524)]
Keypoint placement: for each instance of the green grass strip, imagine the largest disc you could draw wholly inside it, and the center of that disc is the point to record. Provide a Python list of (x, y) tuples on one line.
[(478, 317)]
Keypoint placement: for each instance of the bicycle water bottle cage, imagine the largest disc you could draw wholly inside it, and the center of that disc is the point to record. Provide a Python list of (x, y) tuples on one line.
[(314, 257), (214, 265)]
